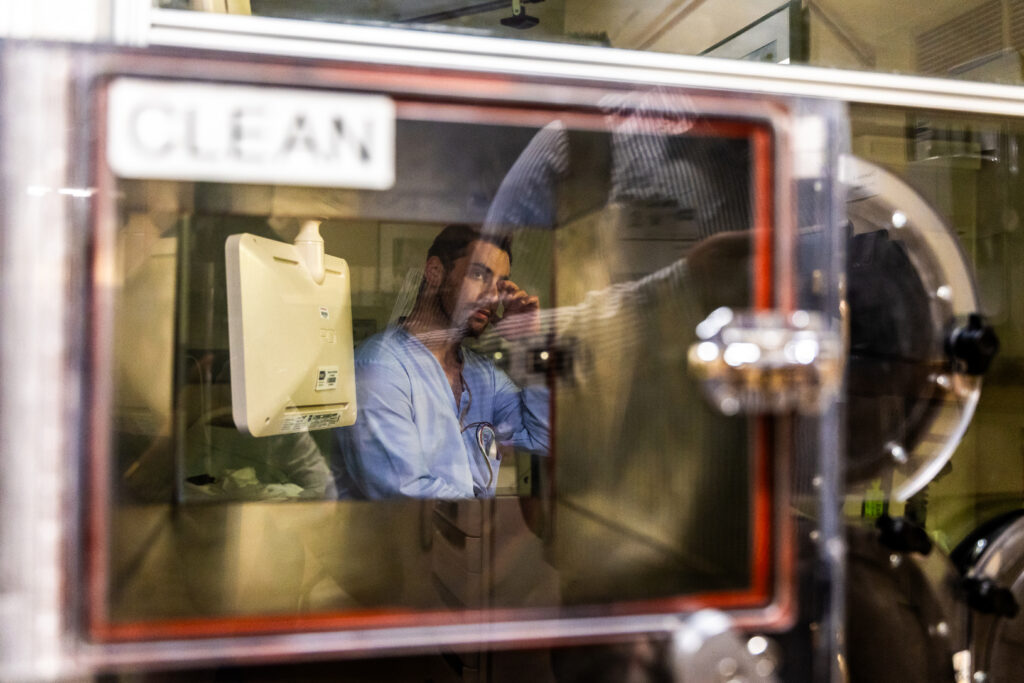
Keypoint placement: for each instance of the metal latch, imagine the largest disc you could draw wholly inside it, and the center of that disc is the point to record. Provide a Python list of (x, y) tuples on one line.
[(767, 362)]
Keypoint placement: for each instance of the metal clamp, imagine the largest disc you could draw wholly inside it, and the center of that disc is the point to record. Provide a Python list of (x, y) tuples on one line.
[(767, 362)]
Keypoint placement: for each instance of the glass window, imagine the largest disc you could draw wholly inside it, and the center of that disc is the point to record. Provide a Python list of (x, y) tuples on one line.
[(762, 29), (976, 40), (967, 40), (526, 435), (967, 167)]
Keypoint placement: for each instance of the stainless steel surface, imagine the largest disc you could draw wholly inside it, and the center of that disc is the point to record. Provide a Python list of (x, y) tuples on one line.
[(40, 417), (995, 645)]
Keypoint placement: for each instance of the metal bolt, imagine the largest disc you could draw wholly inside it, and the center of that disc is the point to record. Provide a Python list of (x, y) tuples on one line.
[(727, 668), (895, 560), (729, 406), (897, 452), (980, 677), (764, 668), (817, 281), (758, 645)]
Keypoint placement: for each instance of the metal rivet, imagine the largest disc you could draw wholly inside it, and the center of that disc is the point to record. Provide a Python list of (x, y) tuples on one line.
[(895, 560)]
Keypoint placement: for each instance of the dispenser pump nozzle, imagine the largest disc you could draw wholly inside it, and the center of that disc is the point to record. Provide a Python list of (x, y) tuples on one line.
[(311, 246)]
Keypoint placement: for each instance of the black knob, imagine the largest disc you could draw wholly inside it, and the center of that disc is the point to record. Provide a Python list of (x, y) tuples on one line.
[(975, 344), (903, 536), (987, 597)]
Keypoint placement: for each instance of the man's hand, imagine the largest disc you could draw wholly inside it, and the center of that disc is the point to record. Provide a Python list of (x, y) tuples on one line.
[(521, 318)]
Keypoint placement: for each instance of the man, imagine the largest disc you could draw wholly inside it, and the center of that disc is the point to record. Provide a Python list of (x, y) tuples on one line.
[(431, 413)]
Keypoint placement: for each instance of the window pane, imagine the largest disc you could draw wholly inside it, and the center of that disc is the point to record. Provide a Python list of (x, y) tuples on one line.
[(527, 433), (967, 168)]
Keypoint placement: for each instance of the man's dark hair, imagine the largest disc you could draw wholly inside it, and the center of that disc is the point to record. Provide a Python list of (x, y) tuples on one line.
[(452, 242)]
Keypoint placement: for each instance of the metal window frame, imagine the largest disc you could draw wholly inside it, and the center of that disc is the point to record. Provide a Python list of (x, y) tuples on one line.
[(319, 636)]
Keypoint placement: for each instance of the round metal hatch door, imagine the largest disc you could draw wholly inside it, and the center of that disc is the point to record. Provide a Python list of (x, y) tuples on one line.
[(903, 619), (992, 562)]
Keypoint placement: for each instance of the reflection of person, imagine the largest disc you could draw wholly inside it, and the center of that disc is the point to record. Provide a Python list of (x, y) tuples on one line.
[(430, 411), (221, 463)]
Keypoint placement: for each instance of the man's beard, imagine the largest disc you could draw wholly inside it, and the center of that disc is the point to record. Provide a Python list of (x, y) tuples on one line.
[(460, 329)]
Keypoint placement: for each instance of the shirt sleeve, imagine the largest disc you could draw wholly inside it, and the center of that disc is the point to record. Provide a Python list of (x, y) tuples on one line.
[(521, 416), (380, 456)]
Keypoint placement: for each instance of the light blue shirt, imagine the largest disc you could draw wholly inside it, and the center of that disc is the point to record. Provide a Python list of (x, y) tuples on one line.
[(408, 440)]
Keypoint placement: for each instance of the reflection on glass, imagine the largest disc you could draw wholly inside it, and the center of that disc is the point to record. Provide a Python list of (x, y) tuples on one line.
[(761, 30), (976, 40), (527, 434), (967, 168), (419, 390)]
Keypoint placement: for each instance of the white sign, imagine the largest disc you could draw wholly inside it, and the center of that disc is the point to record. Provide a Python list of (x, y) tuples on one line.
[(172, 130)]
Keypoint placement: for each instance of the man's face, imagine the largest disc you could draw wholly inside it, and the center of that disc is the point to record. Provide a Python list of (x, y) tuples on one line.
[(470, 292)]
